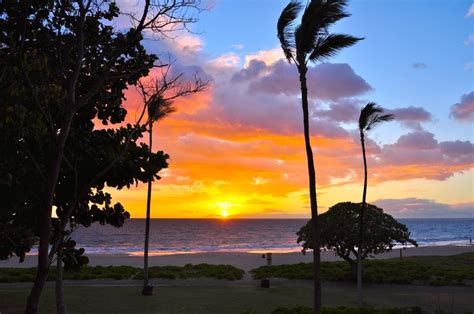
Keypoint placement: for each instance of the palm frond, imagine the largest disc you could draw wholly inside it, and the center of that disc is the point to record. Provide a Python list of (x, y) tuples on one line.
[(371, 115), (333, 11), (284, 28), (159, 107), (317, 17), (309, 26), (379, 119), (329, 45), (366, 112)]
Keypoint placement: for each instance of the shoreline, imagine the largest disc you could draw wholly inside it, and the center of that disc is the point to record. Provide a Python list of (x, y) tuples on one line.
[(244, 260)]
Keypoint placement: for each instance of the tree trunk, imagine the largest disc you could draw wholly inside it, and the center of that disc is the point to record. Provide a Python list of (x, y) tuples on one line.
[(312, 194), (45, 219), (354, 267), (60, 305), (361, 227), (147, 225)]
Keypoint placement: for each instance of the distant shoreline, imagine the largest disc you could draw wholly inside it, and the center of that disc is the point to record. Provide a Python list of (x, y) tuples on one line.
[(242, 260), (275, 250), (295, 218)]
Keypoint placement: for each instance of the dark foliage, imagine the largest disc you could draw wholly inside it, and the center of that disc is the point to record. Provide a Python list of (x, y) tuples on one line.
[(454, 270), (227, 272), (339, 231), (348, 310), (37, 65)]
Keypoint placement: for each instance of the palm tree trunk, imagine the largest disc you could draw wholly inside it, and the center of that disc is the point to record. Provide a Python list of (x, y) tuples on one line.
[(45, 218), (361, 226), (312, 194), (60, 305), (147, 225)]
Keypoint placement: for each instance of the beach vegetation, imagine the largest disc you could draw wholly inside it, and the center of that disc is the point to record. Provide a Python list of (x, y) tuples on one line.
[(348, 310), (227, 272), (64, 69), (453, 270), (340, 232)]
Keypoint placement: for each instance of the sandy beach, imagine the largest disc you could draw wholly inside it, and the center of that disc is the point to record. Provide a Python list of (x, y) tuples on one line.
[(245, 261)]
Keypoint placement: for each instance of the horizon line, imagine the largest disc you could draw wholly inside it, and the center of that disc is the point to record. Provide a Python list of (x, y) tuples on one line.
[(281, 218)]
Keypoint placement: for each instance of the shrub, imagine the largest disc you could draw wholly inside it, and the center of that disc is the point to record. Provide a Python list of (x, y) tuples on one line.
[(127, 272), (348, 310), (430, 270)]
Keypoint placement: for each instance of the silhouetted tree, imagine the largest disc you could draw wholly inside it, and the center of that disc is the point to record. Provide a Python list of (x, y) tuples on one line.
[(80, 199), (311, 42), (93, 158), (158, 97), (64, 57), (340, 232), (370, 116)]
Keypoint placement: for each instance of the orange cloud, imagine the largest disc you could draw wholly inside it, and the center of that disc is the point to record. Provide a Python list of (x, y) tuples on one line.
[(243, 152)]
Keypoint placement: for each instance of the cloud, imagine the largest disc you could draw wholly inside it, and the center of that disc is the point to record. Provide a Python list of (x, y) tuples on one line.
[(470, 11), (326, 81), (411, 116), (259, 180), (417, 140), (348, 110), (237, 46), (419, 155), (419, 65), (188, 44), (246, 123), (464, 110), (459, 152), (424, 208), (251, 71), (225, 62), (268, 56), (468, 66), (343, 111), (256, 201), (469, 40)]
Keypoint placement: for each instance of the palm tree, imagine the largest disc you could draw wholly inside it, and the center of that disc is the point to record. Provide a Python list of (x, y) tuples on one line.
[(158, 108), (311, 42), (370, 115)]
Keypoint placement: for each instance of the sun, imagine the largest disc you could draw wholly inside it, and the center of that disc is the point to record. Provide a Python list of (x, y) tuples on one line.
[(224, 208), (224, 213)]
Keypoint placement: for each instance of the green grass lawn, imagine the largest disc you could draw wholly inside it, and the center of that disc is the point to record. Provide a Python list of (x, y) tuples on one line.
[(234, 299), (128, 272), (165, 300), (431, 270)]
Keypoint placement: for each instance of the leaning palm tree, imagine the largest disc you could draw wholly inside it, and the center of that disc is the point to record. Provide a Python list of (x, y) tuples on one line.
[(370, 116), (158, 108), (311, 42)]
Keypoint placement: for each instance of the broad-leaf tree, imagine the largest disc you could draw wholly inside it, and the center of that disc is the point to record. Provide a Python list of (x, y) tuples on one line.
[(65, 58), (80, 198), (94, 158), (370, 116), (340, 232), (311, 42)]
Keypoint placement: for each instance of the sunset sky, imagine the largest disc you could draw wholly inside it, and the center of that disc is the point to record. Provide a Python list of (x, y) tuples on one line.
[(237, 149)]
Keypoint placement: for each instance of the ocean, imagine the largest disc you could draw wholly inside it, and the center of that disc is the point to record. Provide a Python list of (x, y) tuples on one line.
[(177, 236)]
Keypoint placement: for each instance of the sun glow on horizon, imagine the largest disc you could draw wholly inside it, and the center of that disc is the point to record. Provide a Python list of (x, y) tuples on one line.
[(224, 213), (224, 209)]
